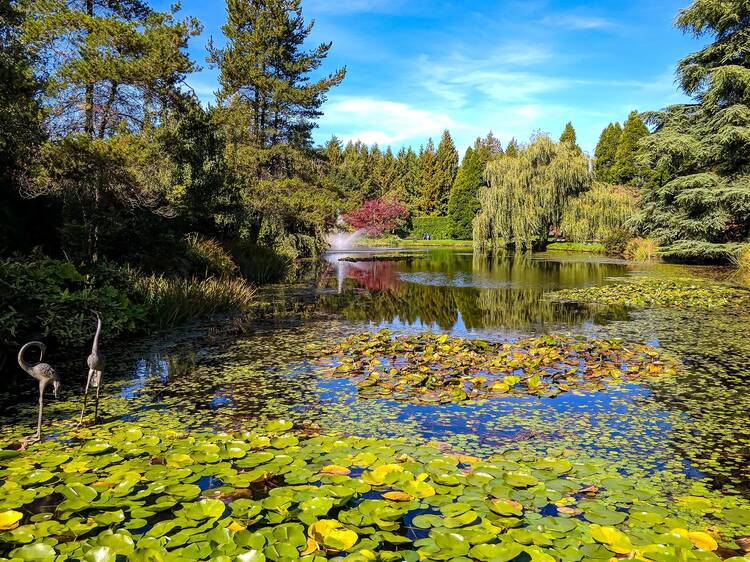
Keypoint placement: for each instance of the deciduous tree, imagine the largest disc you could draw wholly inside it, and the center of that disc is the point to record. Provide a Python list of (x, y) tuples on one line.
[(527, 194)]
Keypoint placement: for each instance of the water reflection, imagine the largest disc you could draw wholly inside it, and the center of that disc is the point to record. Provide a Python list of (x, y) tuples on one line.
[(463, 292)]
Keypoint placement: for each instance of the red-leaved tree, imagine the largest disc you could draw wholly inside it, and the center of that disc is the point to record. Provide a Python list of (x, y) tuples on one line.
[(377, 216)]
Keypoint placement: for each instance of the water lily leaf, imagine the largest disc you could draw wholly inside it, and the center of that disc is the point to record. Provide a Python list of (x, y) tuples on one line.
[(37, 551), (502, 552), (332, 534), (251, 556), (613, 539), (520, 480), (100, 554), (9, 520)]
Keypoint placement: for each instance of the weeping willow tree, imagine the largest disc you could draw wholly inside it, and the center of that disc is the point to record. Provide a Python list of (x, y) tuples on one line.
[(597, 214), (526, 194), (697, 204)]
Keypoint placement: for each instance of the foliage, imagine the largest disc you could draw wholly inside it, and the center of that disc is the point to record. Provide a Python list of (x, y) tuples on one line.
[(378, 216), (173, 302), (527, 194), (439, 228), (487, 148), (700, 196), (439, 369), (641, 249), (463, 204), (606, 153), (209, 256), (568, 137), (677, 293), (595, 214), (626, 169), (53, 299), (437, 171), (260, 264), (280, 495)]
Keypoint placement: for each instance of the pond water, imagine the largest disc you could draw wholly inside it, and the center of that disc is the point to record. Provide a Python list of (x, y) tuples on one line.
[(681, 430)]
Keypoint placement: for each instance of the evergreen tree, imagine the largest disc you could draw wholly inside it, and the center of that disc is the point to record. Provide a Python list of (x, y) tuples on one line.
[(527, 194), (513, 148), (568, 136), (20, 132), (604, 155), (487, 147), (119, 79), (446, 167), (697, 204), (334, 152), (265, 73), (464, 202), (425, 177), (626, 170), (270, 103)]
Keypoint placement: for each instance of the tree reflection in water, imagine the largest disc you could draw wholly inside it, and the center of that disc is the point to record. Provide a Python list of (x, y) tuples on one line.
[(460, 290)]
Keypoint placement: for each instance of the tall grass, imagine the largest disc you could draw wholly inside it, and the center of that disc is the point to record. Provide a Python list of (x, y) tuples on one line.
[(209, 255), (172, 302), (260, 264), (641, 249)]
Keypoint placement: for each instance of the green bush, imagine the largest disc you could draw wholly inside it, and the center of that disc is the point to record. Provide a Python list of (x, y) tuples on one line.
[(641, 249), (439, 228), (53, 299), (172, 302)]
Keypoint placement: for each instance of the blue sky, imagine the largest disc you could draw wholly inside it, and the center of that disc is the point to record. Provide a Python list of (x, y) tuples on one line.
[(416, 67)]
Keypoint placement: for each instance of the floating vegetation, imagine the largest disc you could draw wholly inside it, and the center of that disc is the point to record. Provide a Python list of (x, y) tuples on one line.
[(431, 368), (383, 257), (677, 293), (129, 490)]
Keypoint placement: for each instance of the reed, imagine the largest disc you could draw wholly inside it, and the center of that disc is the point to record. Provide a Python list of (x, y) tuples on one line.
[(172, 302)]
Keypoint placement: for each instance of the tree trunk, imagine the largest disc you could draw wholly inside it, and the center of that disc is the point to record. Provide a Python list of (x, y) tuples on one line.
[(89, 95)]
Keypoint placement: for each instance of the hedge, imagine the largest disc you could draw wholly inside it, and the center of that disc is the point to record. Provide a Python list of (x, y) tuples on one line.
[(439, 228)]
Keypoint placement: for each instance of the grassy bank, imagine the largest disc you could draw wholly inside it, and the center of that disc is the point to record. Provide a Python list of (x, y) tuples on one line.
[(592, 248), (395, 241)]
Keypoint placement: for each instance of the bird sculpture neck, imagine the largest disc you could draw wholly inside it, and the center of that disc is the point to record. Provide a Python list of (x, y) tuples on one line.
[(29, 367), (95, 345)]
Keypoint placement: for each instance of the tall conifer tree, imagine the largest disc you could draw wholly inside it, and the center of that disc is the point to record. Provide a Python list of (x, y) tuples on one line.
[(697, 204), (464, 202), (626, 170), (606, 149), (568, 137), (446, 167)]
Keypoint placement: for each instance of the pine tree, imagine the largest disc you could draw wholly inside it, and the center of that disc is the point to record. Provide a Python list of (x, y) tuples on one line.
[(568, 136), (334, 152), (626, 170), (446, 167), (697, 204), (119, 79), (464, 202), (604, 155), (265, 72), (513, 148)]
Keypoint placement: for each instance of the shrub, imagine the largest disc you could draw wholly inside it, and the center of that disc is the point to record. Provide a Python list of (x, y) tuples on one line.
[(616, 241), (641, 249), (48, 298), (439, 228), (172, 302), (378, 216), (208, 256)]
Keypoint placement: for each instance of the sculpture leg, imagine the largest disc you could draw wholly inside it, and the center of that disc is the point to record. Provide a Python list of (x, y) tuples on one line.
[(41, 409), (85, 397), (96, 400)]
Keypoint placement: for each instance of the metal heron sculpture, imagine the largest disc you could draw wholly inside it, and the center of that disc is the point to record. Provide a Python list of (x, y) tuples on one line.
[(96, 364), (44, 373)]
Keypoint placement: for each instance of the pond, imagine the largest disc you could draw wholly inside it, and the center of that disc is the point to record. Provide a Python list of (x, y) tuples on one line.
[(686, 433)]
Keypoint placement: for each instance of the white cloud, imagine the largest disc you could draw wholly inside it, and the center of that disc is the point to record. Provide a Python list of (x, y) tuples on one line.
[(573, 21), (382, 121)]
